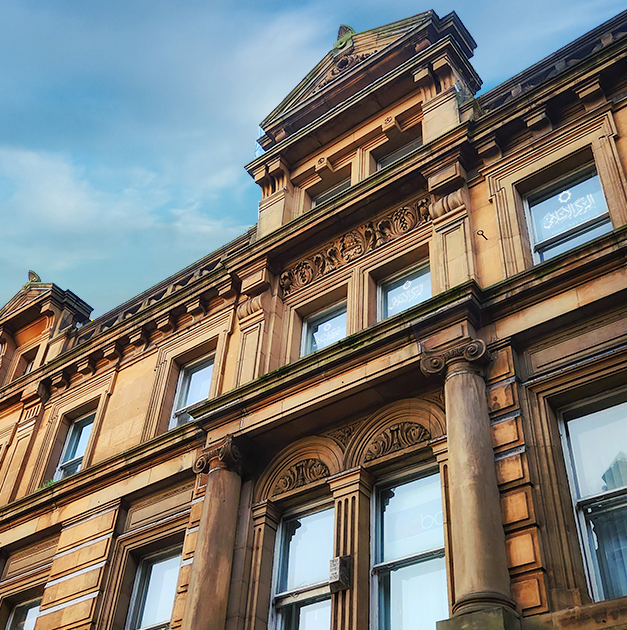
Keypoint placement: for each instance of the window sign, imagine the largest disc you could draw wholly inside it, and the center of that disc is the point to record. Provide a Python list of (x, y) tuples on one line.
[(598, 450), (324, 329), (573, 214), (405, 292)]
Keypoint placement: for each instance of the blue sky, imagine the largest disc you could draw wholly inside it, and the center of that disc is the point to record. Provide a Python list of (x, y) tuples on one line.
[(125, 125)]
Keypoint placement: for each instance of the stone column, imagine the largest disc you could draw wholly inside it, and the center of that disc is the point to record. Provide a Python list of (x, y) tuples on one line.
[(351, 492), (480, 575), (210, 577)]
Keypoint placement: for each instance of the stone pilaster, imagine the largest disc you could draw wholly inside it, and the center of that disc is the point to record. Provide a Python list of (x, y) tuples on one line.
[(351, 492), (210, 577), (481, 577)]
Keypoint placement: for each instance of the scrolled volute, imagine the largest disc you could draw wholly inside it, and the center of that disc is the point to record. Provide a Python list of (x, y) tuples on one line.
[(227, 454), (473, 351)]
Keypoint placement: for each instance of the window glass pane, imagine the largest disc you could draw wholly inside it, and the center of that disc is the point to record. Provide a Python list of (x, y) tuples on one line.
[(196, 384), (414, 597), (79, 436), (599, 447), (160, 589), (411, 520), (607, 529), (575, 241), (567, 208), (405, 292), (331, 192), (316, 616), (69, 469), (324, 330), (307, 550), (406, 149), (24, 616)]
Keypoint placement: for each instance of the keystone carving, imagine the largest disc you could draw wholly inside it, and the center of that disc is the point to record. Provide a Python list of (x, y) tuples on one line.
[(353, 245), (300, 474), (396, 438), (473, 351), (228, 455)]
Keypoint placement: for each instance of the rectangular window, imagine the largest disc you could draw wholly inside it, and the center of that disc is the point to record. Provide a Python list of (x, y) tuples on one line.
[(323, 328), (410, 569), (75, 446), (399, 153), (567, 213), (194, 385), (404, 291), (154, 590), (303, 600), (597, 446), (24, 615), (336, 189)]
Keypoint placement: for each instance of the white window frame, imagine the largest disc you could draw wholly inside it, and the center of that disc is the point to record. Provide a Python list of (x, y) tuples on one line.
[(577, 176), (185, 371), (422, 266), (17, 605), (403, 151), (302, 596), (140, 589), (329, 311), (331, 192), (577, 410), (70, 438), (376, 568)]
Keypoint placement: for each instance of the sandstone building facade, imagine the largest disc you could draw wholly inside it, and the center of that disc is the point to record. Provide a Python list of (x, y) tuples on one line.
[(401, 398)]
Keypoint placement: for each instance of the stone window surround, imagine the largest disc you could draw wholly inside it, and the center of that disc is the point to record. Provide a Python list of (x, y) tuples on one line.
[(13, 597), (595, 134), (129, 549), (208, 337), (357, 284), (91, 398), (354, 156)]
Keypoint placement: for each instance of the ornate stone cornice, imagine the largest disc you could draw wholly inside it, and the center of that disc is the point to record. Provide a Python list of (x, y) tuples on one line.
[(435, 363), (227, 455), (354, 244)]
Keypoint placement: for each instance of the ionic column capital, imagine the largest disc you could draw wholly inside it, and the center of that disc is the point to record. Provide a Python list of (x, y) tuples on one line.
[(225, 455), (472, 351)]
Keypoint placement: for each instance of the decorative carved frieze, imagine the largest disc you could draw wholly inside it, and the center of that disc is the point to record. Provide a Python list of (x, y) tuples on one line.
[(228, 456), (344, 434), (341, 65), (353, 245), (435, 363), (300, 474), (396, 438)]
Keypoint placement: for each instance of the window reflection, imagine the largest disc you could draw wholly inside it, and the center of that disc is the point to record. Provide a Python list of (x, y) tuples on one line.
[(323, 329), (402, 293)]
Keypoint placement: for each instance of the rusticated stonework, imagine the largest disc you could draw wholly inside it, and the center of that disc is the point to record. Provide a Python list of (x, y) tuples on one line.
[(353, 245), (396, 438), (300, 474)]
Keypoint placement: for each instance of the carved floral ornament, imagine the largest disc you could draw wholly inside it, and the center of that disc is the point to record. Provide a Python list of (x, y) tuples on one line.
[(395, 438), (340, 65), (300, 474), (353, 245)]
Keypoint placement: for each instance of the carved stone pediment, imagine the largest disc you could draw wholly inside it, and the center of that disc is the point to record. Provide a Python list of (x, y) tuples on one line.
[(354, 244), (300, 474), (396, 438)]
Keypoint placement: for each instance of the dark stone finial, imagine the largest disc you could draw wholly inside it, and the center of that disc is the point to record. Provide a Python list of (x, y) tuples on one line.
[(33, 277), (343, 31)]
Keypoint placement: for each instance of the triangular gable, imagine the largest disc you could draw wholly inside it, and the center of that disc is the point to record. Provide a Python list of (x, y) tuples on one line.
[(350, 50), (30, 293)]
